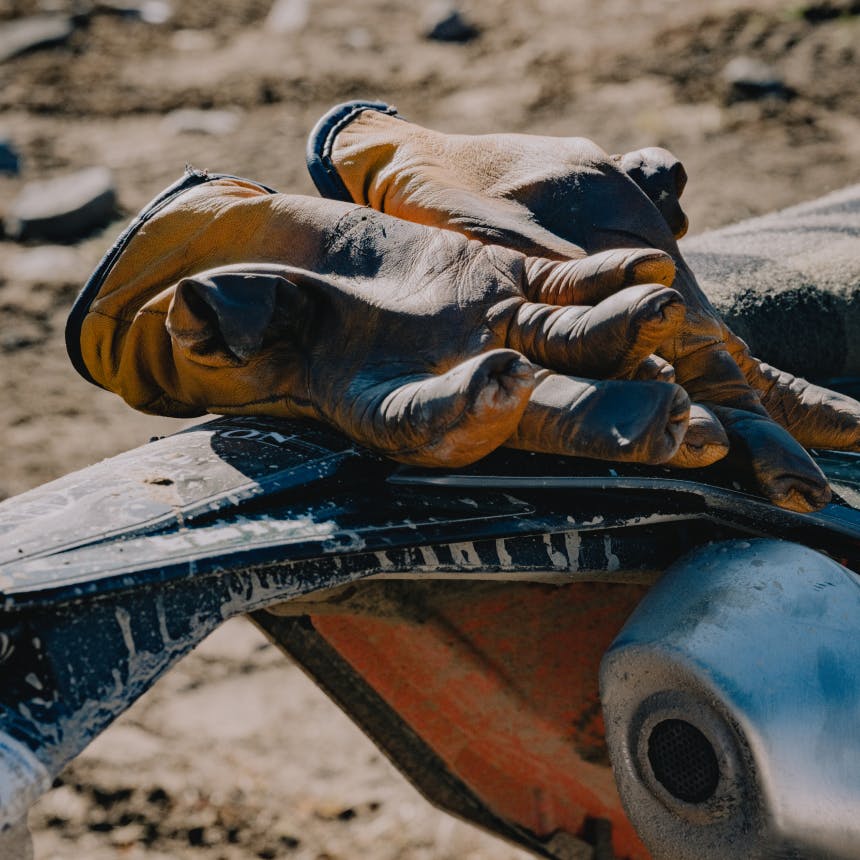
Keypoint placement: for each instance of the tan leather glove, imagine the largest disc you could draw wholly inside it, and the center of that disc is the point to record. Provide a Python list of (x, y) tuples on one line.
[(416, 342), (567, 197)]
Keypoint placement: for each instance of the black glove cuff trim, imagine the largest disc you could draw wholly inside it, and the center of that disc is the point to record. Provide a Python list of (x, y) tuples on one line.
[(321, 140), (191, 179)]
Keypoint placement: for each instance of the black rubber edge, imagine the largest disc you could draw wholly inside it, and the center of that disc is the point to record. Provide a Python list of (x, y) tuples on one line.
[(320, 142), (191, 179)]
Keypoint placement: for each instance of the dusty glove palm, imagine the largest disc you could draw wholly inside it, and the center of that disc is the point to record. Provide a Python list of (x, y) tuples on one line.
[(416, 342), (566, 197)]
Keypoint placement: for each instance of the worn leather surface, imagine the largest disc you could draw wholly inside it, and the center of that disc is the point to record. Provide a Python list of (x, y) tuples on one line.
[(420, 343), (566, 197)]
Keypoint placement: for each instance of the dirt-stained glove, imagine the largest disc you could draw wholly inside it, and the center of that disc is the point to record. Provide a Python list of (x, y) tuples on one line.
[(567, 197), (416, 342)]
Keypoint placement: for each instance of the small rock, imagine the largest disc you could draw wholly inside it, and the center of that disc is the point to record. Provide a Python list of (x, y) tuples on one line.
[(749, 78), (288, 16), (48, 264), (333, 810), (128, 835), (63, 209), (28, 34), (10, 161), (445, 23), (193, 41), (827, 10), (359, 39), (156, 12), (193, 121), (148, 11)]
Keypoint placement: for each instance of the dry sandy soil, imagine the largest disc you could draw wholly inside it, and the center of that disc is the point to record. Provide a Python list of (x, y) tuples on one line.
[(234, 754)]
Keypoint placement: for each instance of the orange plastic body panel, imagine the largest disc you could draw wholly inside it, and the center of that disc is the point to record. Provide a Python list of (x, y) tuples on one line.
[(502, 683)]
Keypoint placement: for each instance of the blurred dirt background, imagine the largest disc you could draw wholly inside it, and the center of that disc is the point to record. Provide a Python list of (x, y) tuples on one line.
[(235, 754)]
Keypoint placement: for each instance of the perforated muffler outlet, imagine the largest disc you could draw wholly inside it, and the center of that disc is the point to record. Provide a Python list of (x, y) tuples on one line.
[(730, 700), (684, 770), (683, 761)]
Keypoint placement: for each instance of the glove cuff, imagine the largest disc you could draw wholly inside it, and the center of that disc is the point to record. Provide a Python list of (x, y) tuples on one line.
[(97, 281), (320, 164)]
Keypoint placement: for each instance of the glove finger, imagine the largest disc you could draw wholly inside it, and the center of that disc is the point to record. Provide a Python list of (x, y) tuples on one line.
[(611, 339), (704, 443), (710, 374), (656, 368), (785, 473), (663, 178), (589, 280), (633, 422), (817, 417), (448, 420)]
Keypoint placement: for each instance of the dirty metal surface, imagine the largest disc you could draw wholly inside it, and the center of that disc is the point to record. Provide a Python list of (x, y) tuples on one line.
[(110, 575), (237, 493), (724, 493), (501, 684), (751, 644), (169, 483), (402, 744)]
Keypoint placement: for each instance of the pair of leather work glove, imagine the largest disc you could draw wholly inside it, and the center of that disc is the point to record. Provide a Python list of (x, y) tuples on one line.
[(566, 199), (419, 343), (545, 307)]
